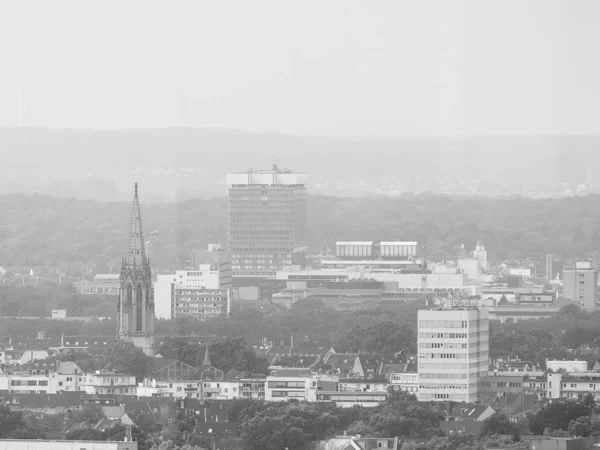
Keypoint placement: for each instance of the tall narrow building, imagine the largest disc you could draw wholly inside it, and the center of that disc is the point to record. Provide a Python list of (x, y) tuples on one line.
[(267, 222), (135, 311), (453, 353)]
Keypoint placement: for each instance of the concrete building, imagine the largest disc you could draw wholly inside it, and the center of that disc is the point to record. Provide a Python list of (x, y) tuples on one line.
[(217, 258), (253, 388), (580, 285), (267, 221), (567, 366), (102, 284), (471, 267), (453, 353), (480, 254), (285, 388), (194, 293), (407, 382), (109, 383), (573, 385)]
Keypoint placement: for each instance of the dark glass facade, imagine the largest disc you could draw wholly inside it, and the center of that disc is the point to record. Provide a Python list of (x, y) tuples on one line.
[(267, 228)]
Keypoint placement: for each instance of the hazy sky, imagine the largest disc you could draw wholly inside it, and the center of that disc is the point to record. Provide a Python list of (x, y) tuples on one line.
[(399, 67)]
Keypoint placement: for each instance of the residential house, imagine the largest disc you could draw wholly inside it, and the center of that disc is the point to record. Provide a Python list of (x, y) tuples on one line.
[(357, 443), (253, 388), (109, 383)]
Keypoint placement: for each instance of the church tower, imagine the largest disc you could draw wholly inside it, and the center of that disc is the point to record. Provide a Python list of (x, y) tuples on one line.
[(135, 310)]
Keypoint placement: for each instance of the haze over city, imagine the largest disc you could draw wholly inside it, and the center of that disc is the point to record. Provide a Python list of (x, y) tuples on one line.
[(299, 225), (342, 67)]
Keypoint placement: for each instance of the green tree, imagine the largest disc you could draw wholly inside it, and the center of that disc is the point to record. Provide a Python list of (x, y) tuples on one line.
[(126, 358), (499, 424), (90, 414), (10, 421), (580, 427)]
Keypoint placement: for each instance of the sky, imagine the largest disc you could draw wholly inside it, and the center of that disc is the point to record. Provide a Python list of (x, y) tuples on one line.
[(344, 67)]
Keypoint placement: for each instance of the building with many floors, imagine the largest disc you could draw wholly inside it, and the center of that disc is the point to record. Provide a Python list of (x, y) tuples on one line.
[(267, 221), (453, 353), (580, 285), (194, 293)]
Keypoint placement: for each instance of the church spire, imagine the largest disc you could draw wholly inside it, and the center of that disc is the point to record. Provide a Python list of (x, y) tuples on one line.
[(136, 251)]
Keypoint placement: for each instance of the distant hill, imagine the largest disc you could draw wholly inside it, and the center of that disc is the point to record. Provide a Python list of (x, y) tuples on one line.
[(173, 164)]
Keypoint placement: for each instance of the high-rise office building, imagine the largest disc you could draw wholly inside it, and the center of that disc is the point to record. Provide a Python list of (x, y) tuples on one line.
[(267, 221), (453, 353), (580, 285)]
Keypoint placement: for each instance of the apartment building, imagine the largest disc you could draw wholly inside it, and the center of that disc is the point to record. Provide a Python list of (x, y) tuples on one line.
[(453, 353)]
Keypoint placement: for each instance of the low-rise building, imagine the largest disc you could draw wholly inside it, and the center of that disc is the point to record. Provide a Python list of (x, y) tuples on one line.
[(102, 284), (405, 381), (194, 293), (573, 385), (281, 388), (109, 383), (43, 444), (253, 388)]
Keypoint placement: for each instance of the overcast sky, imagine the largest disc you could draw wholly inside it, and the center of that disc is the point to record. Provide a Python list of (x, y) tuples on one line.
[(394, 67)]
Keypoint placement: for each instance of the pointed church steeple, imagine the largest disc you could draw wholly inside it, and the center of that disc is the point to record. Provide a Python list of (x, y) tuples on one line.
[(135, 310), (136, 249)]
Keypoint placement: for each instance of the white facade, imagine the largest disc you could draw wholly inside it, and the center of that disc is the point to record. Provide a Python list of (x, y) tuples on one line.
[(520, 271), (405, 280), (109, 383), (25, 384), (285, 388), (480, 254), (470, 267), (573, 385), (201, 280), (163, 296), (453, 353), (407, 382)]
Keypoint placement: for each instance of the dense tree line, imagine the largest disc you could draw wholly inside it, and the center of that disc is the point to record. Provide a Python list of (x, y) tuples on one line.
[(39, 301), (308, 319), (13, 426), (572, 334), (46, 231)]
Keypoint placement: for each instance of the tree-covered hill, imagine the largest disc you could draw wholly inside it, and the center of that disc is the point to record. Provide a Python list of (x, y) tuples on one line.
[(47, 231)]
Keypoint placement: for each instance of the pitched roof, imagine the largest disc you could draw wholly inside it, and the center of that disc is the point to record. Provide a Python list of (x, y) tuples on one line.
[(467, 411)]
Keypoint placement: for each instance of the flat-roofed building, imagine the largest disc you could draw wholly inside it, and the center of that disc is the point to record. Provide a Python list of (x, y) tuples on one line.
[(102, 284), (267, 221), (453, 353), (580, 285)]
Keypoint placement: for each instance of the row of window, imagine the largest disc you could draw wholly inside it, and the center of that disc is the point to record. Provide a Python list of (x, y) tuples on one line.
[(296, 394), (286, 384), (449, 387), (443, 335), (441, 345), (443, 376), (444, 323), (29, 382)]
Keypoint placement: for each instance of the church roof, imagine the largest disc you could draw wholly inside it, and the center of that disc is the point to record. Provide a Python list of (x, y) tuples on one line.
[(136, 248)]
